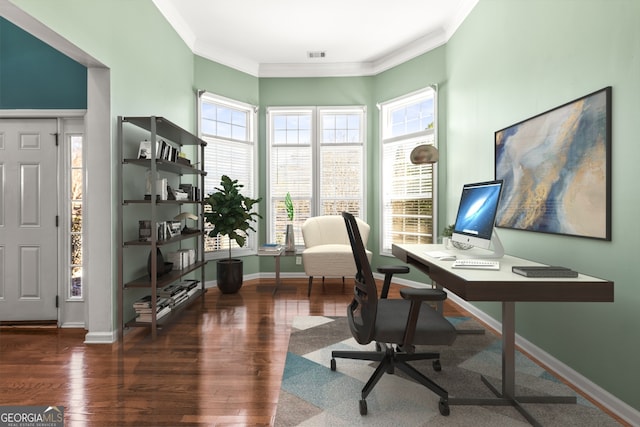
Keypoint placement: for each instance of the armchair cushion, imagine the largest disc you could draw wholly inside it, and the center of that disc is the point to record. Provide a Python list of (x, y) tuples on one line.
[(327, 247)]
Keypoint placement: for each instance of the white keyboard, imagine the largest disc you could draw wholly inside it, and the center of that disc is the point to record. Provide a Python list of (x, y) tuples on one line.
[(478, 264)]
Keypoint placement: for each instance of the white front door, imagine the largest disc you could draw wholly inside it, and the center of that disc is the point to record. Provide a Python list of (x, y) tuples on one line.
[(28, 209)]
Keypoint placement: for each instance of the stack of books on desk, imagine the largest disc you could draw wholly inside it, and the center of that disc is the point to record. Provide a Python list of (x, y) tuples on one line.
[(143, 308), (544, 271), (270, 249)]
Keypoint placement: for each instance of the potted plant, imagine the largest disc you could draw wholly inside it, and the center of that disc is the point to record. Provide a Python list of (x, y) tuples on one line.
[(447, 233), (289, 239), (231, 215), (448, 230)]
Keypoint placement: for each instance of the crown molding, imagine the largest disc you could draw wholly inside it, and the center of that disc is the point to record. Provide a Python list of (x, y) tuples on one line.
[(315, 68), (324, 69)]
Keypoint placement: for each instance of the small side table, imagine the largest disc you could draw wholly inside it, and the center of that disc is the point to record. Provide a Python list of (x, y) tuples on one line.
[(276, 256)]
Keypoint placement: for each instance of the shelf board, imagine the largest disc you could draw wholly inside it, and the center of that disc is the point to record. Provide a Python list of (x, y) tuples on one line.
[(161, 202), (174, 312), (166, 165), (166, 129), (174, 239), (165, 279)]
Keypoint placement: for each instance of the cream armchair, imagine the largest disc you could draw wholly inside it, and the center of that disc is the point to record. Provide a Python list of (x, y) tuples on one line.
[(327, 250)]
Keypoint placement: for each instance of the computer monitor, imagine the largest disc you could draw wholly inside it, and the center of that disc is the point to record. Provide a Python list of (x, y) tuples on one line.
[(476, 218)]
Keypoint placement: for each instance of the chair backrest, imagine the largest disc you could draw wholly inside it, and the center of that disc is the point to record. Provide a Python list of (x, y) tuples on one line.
[(363, 308), (329, 229)]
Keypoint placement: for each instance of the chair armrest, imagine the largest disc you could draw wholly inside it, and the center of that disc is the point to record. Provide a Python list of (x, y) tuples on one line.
[(417, 297), (416, 294), (389, 271)]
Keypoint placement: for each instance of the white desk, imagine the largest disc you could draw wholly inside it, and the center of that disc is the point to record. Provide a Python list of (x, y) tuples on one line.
[(507, 287)]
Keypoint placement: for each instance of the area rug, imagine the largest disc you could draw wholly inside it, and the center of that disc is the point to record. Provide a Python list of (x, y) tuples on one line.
[(313, 395)]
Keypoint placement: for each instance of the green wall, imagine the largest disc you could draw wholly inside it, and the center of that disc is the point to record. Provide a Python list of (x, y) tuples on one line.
[(509, 60)]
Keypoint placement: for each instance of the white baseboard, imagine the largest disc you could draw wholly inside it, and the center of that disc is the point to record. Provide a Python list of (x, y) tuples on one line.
[(72, 325), (101, 337)]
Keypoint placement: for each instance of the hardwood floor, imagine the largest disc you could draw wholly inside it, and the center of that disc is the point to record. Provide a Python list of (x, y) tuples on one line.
[(219, 364)]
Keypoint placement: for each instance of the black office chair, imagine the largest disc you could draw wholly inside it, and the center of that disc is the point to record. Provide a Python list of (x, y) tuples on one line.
[(396, 325)]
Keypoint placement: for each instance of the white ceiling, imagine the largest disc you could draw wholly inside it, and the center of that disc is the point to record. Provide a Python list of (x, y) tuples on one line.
[(272, 38)]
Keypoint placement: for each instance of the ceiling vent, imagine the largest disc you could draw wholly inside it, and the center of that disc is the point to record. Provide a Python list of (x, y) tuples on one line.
[(317, 54)]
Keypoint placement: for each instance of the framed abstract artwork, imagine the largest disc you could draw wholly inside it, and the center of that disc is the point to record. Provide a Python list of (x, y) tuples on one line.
[(556, 169)]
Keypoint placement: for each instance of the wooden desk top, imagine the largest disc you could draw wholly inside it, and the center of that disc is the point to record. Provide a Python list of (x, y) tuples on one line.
[(502, 285)]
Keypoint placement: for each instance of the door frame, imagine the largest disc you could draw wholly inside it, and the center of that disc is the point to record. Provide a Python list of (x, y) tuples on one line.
[(100, 229), (69, 314)]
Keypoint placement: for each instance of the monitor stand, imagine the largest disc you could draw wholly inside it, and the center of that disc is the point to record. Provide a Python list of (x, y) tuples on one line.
[(496, 250)]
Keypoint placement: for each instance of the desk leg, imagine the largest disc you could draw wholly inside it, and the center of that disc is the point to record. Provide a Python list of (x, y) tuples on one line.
[(508, 396), (508, 348)]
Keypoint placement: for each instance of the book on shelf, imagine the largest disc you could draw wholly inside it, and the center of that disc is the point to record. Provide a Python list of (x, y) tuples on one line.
[(270, 249), (143, 306), (171, 291), (180, 291), (146, 317), (145, 302)]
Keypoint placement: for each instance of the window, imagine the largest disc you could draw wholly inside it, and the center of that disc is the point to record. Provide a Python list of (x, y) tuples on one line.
[(229, 128), (317, 155), (407, 190), (75, 204)]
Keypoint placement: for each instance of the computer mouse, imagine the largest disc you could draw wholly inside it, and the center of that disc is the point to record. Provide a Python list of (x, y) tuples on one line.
[(448, 258)]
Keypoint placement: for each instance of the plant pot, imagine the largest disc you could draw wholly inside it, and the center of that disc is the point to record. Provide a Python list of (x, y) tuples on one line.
[(289, 239), (229, 275)]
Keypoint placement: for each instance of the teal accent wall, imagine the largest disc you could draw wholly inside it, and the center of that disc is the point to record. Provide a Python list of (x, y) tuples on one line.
[(509, 60), (26, 84)]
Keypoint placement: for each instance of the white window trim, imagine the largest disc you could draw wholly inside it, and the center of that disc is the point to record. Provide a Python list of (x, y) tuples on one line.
[(251, 248), (71, 127), (383, 108), (315, 112)]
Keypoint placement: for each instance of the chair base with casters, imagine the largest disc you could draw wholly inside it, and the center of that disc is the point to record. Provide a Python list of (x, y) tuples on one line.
[(391, 357)]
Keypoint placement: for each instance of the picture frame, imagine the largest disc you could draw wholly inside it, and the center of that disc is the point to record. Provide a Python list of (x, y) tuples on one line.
[(556, 168), (144, 150)]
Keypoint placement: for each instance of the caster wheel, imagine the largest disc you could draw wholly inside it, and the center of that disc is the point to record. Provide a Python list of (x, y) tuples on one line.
[(333, 364), (363, 407), (443, 406), (437, 366)]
